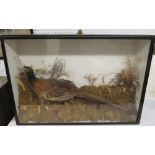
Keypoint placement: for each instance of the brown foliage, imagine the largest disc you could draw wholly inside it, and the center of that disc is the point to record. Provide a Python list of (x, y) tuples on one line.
[(128, 77)]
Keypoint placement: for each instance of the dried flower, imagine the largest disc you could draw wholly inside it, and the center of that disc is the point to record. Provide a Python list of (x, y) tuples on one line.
[(91, 79), (58, 70)]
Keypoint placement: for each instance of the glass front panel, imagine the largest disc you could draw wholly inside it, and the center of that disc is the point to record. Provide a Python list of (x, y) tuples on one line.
[(77, 80)]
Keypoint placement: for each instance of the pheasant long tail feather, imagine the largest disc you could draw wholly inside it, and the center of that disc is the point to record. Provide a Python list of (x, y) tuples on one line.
[(81, 95), (99, 99)]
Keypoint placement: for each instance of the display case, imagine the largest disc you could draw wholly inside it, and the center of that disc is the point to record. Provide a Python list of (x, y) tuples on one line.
[(78, 79), (6, 104)]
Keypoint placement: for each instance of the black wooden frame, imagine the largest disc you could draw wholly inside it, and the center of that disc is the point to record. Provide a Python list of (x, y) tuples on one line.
[(6, 103), (147, 70)]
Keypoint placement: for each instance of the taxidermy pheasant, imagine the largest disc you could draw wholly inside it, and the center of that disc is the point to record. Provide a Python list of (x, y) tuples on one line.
[(55, 90)]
